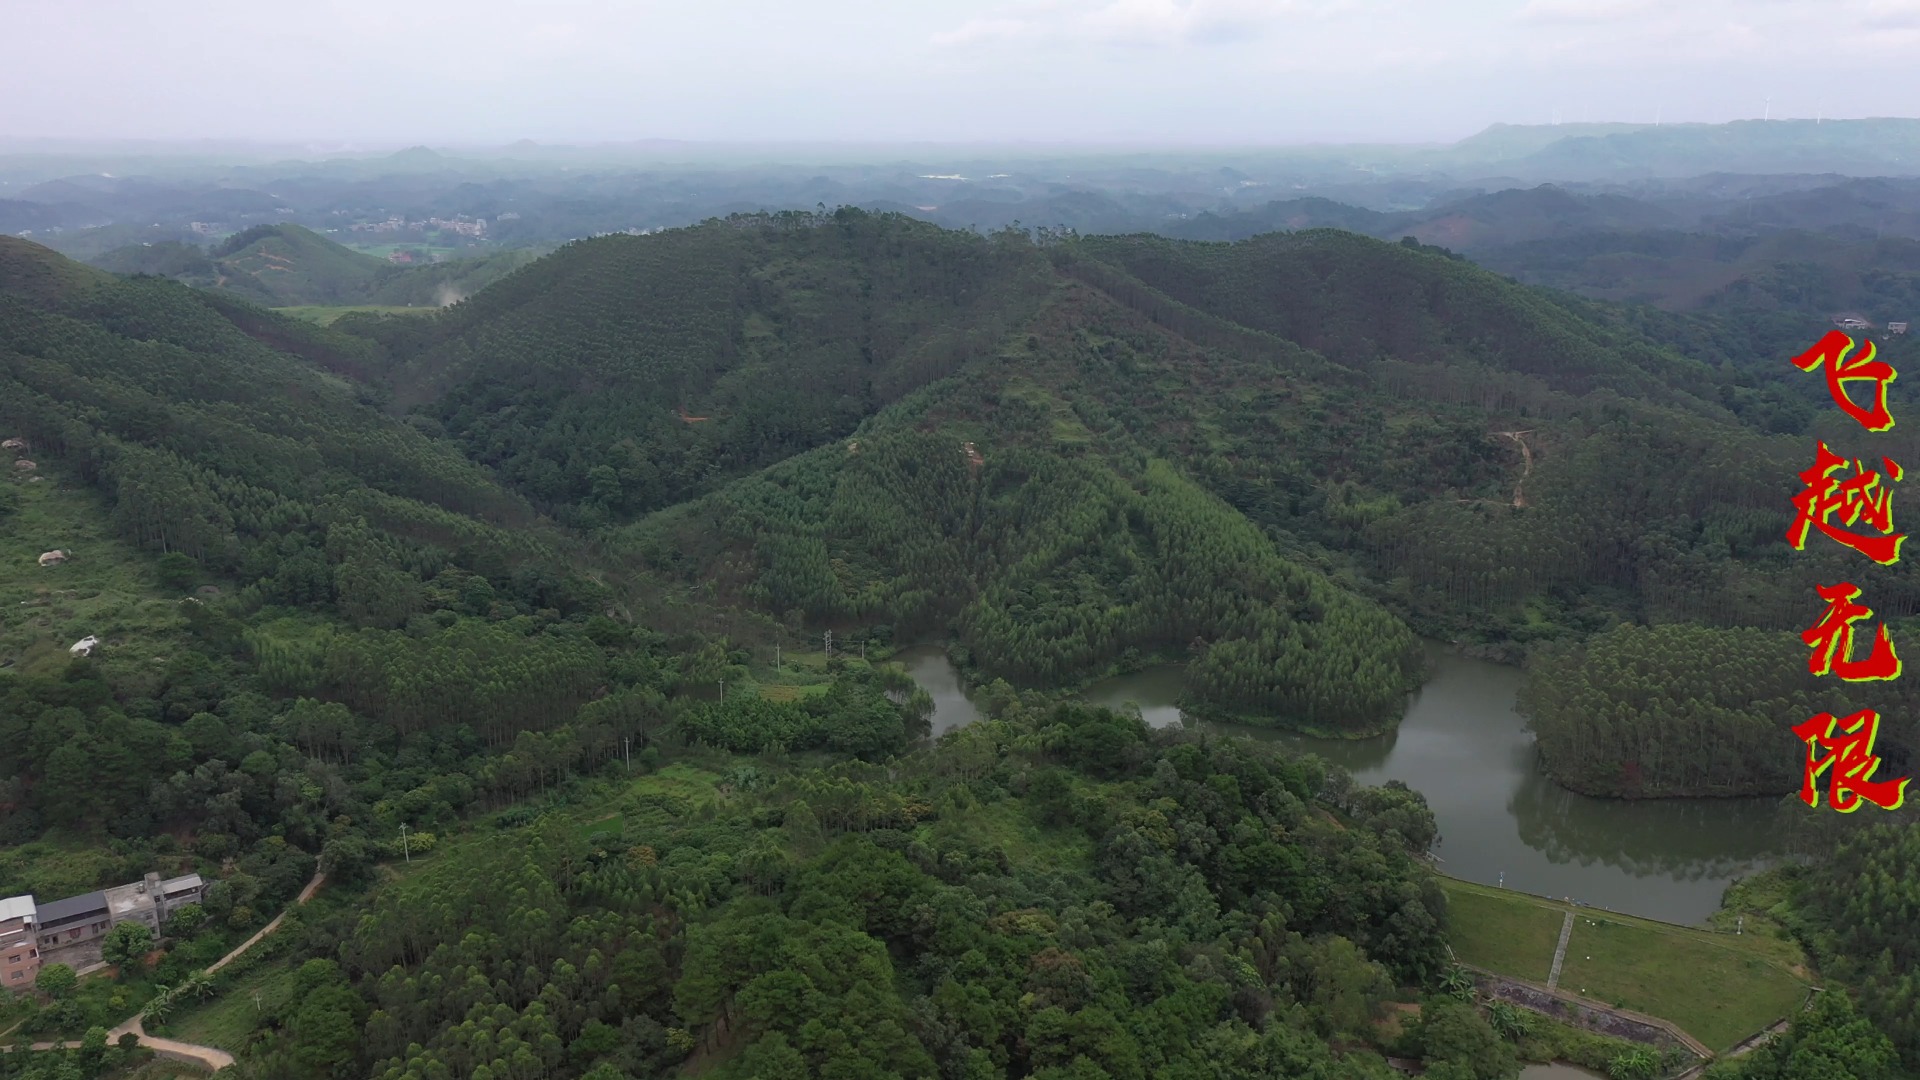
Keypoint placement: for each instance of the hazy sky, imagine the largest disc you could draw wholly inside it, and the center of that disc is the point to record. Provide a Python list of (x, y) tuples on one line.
[(1234, 71)]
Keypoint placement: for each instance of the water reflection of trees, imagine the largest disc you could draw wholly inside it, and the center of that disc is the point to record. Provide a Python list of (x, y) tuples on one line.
[(1685, 839)]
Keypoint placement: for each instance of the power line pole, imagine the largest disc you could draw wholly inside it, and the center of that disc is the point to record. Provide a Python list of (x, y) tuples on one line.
[(404, 848), (628, 743)]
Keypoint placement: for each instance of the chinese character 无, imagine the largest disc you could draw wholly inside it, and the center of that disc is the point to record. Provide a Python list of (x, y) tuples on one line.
[(1832, 639), (1851, 760), (1831, 352), (1861, 497)]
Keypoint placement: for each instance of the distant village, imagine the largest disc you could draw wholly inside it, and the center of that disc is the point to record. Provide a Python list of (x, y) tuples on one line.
[(460, 224), (1855, 322)]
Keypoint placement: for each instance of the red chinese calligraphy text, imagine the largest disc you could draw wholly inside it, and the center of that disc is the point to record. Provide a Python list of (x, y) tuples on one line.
[(1832, 639), (1851, 758), (1831, 352), (1861, 497)]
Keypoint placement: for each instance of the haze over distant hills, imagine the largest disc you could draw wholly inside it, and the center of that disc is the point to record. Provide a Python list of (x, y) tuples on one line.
[(562, 192)]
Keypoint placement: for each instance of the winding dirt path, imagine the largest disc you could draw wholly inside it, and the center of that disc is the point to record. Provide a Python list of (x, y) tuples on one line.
[(306, 894), (211, 1058), (1526, 468)]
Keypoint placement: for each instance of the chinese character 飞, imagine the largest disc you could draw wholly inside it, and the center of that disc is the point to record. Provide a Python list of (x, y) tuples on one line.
[(1861, 497), (1831, 351), (1852, 761), (1832, 639)]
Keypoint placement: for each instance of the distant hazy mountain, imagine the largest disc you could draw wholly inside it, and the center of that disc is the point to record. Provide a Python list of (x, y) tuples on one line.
[(1880, 147)]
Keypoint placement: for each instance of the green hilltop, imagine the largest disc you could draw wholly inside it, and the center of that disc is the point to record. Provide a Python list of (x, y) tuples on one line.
[(288, 265)]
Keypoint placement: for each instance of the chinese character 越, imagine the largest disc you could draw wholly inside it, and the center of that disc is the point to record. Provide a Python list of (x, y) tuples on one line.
[(1831, 351), (1832, 639), (1852, 761), (1861, 497)]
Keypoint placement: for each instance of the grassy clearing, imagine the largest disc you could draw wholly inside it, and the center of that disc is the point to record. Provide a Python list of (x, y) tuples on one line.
[(1717, 993), (1516, 939), (606, 825), (56, 867), (326, 315), (106, 588), (1717, 987), (789, 692), (227, 1021), (1005, 826), (381, 251)]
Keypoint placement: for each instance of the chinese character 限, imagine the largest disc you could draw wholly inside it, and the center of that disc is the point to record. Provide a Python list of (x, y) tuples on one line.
[(1831, 352), (1832, 639), (1861, 497), (1852, 761)]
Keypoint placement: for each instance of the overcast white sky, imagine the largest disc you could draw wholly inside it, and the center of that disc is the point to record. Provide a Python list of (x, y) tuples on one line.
[(1180, 71)]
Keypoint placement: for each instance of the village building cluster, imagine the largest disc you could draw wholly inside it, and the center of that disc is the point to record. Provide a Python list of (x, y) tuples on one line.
[(33, 934)]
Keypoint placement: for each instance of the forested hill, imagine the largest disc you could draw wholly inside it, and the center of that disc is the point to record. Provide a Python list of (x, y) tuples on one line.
[(287, 265), (695, 355), (274, 571), (669, 361), (99, 367), (181, 431), (1259, 458)]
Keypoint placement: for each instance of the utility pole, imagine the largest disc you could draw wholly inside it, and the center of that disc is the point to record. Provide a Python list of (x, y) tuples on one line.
[(404, 848), (723, 689), (628, 752), (828, 646), (776, 658)]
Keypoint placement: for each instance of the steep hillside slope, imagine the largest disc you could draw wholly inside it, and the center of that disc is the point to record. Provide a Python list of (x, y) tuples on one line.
[(243, 532), (627, 373), (209, 442)]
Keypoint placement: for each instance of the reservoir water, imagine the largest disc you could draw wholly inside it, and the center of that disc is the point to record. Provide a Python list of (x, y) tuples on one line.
[(1462, 745)]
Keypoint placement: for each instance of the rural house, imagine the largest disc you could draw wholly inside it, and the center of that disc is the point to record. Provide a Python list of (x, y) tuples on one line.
[(32, 934), (19, 948)]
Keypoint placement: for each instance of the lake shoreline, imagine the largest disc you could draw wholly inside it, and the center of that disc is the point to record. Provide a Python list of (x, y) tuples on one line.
[(1502, 821), (973, 681)]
